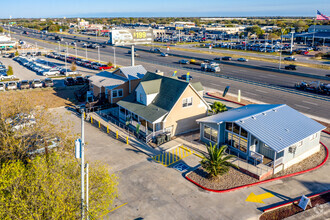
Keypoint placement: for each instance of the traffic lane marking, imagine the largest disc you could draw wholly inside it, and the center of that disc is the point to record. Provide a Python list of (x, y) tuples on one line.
[(262, 91), (312, 103), (301, 106)]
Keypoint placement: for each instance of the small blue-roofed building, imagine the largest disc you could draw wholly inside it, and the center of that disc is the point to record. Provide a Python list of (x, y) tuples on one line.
[(272, 134)]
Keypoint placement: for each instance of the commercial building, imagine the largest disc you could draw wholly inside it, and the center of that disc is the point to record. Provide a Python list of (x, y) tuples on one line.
[(274, 135), (163, 104), (116, 85), (6, 43)]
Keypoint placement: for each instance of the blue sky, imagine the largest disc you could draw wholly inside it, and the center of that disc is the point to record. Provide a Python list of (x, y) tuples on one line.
[(147, 8)]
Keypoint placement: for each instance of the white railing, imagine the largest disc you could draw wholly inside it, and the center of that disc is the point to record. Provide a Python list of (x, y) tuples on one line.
[(259, 157)]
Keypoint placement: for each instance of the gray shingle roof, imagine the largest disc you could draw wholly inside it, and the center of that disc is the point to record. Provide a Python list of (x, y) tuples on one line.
[(278, 126), (152, 86), (107, 79), (169, 92), (133, 72)]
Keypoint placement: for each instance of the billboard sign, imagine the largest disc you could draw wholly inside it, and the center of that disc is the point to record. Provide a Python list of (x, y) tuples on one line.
[(131, 36), (179, 27)]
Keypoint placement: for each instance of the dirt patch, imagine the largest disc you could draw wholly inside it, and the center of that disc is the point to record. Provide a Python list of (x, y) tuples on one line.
[(48, 97), (293, 208), (235, 177)]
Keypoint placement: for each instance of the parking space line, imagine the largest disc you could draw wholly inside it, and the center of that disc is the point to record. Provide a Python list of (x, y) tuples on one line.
[(250, 93)]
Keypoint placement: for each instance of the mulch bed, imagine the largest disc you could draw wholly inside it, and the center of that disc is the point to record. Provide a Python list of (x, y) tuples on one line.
[(293, 208), (235, 177)]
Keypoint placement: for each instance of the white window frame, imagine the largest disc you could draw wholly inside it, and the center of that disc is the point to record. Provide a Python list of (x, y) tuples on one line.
[(312, 137), (186, 103), (117, 91), (300, 143)]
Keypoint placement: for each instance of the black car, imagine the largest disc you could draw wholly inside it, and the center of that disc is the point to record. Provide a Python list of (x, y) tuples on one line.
[(226, 58), (184, 77), (217, 58), (290, 67), (80, 80), (69, 81)]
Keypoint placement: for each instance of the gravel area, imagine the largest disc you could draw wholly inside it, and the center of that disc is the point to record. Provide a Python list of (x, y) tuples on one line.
[(229, 180), (235, 178)]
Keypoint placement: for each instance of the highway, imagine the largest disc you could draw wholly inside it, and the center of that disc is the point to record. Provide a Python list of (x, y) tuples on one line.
[(259, 85)]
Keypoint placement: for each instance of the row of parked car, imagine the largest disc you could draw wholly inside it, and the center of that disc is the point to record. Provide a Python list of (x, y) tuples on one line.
[(43, 67), (81, 62), (26, 84), (79, 80)]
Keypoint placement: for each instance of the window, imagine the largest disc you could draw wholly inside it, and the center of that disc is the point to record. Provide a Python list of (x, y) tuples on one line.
[(236, 128), (244, 132), (207, 132), (187, 102), (210, 134), (312, 137), (300, 143), (214, 135), (280, 154), (229, 126), (141, 97), (117, 93)]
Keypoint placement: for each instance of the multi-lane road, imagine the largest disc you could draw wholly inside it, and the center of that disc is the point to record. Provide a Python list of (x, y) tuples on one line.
[(260, 84)]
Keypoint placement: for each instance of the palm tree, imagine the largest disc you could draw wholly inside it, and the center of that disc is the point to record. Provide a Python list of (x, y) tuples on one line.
[(215, 162)]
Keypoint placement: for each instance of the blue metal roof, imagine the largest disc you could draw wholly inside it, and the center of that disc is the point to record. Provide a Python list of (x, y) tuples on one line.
[(278, 126)]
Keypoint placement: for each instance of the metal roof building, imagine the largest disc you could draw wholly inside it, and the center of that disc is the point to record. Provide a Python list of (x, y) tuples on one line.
[(267, 132)]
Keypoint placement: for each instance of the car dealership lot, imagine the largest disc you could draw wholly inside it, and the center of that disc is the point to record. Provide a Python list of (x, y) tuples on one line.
[(23, 73)]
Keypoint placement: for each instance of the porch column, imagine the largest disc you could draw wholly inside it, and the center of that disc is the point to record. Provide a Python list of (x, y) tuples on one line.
[(153, 129)]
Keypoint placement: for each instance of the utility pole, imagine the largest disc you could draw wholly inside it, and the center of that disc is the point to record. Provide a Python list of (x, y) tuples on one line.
[(98, 52), (292, 32), (132, 53), (79, 153), (82, 166), (66, 54)]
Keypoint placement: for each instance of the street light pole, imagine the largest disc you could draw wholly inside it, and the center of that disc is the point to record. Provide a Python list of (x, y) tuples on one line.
[(279, 67), (66, 54), (114, 56), (86, 51), (59, 46)]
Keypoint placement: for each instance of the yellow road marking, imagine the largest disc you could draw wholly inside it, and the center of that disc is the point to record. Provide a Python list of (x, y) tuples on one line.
[(258, 198), (117, 207)]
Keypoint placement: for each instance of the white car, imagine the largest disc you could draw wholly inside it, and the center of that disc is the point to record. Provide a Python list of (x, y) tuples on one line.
[(12, 85), (242, 59), (36, 83), (2, 86), (51, 72)]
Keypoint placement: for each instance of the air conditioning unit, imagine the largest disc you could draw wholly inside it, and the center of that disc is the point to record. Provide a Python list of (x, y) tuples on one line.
[(292, 149)]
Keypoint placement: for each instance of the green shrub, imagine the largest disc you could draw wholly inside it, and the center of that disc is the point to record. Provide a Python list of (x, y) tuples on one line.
[(10, 71)]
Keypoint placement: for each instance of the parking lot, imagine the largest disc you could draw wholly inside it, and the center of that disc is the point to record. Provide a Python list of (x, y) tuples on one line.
[(23, 73), (150, 190)]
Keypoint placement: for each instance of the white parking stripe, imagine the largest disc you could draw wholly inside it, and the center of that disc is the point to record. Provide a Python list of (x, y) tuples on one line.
[(301, 106), (312, 103)]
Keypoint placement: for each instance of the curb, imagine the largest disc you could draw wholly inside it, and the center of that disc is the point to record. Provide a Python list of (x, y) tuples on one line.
[(214, 96), (292, 201), (264, 181)]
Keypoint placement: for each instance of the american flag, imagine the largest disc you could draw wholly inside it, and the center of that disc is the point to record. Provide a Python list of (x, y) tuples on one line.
[(321, 16)]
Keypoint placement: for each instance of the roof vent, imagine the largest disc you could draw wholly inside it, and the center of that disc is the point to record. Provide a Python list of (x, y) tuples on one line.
[(264, 113), (253, 117), (241, 121), (280, 138), (274, 110), (287, 130)]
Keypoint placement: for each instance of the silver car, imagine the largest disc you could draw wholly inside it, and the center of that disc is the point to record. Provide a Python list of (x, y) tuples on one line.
[(36, 83), (12, 85)]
